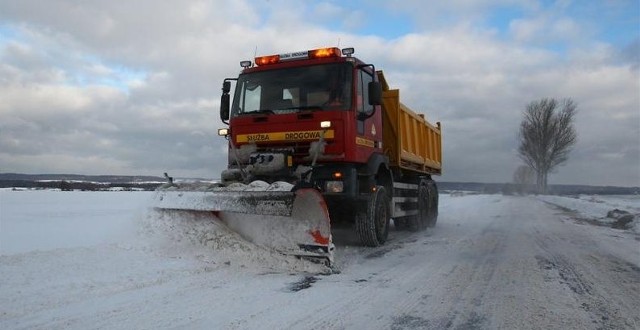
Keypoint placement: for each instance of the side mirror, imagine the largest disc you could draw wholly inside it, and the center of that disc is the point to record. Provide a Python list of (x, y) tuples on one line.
[(225, 100), (224, 107), (375, 93)]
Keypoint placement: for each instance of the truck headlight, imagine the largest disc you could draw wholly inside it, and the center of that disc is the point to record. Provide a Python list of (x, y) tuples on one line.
[(223, 131), (334, 186)]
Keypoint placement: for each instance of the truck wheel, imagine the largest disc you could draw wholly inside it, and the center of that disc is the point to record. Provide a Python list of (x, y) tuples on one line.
[(424, 205), (432, 189), (372, 224), (420, 221), (414, 223)]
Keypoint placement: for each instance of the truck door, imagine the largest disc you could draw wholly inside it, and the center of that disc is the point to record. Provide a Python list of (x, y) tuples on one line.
[(369, 130)]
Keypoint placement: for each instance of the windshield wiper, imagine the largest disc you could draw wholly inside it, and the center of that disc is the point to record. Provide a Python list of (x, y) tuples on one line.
[(261, 111), (306, 107), (270, 111)]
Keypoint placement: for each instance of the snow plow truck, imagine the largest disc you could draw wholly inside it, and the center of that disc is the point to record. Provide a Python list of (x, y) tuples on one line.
[(317, 139)]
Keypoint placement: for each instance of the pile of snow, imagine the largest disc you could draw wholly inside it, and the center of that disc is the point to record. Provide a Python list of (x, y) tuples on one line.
[(460, 193), (257, 185), (621, 212), (264, 186), (258, 197), (203, 235)]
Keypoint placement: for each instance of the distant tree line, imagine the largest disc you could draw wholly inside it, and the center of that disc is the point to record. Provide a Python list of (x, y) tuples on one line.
[(445, 187), (77, 185), (81, 178), (513, 188)]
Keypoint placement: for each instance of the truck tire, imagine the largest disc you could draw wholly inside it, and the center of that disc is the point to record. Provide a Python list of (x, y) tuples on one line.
[(420, 221), (372, 223), (424, 205), (414, 223), (432, 189)]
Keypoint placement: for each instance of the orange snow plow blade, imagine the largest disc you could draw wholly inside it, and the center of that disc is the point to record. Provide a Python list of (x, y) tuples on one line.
[(294, 223)]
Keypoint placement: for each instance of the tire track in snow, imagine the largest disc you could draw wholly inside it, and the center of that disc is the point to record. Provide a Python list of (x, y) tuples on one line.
[(471, 262), (366, 287), (467, 283), (589, 276), (409, 284), (328, 316)]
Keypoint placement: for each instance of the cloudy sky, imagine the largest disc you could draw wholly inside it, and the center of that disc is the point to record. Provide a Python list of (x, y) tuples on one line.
[(133, 87)]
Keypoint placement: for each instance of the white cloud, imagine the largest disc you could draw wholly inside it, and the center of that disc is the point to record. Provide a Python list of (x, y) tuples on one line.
[(42, 100), (524, 30), (134, 88), (547, 29)]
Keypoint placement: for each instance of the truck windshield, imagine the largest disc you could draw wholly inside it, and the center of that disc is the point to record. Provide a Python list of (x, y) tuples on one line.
[(318, 87)]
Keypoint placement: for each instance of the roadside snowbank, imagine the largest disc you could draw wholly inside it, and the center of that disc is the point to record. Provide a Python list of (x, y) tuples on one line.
[(606, 210)]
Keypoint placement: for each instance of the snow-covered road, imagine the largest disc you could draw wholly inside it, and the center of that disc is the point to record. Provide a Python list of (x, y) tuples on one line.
[(492, 262)]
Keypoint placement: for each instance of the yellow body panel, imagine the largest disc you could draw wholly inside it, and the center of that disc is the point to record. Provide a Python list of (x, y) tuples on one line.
[(409, 141)]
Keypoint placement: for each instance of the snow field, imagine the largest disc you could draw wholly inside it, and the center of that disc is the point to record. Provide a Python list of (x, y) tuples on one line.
[(100, 260), (68, 253)]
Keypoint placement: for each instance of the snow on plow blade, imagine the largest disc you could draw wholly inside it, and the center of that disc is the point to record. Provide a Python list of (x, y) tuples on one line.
[(294, 223), (247, 202)]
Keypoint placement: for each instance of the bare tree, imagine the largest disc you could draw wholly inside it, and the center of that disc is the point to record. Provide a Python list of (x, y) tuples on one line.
[(547, 136), (523, 178)]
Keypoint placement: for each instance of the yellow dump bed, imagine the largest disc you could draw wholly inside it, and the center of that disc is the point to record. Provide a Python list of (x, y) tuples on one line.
[(409, 141)]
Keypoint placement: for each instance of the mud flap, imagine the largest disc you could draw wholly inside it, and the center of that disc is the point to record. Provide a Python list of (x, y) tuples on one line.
[(294, 223)]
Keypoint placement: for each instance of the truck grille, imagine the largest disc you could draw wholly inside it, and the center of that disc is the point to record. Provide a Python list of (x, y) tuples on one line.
[(298, 150)]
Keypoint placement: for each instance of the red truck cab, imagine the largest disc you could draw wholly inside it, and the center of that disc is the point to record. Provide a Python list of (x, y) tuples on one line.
[(279, 105)]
